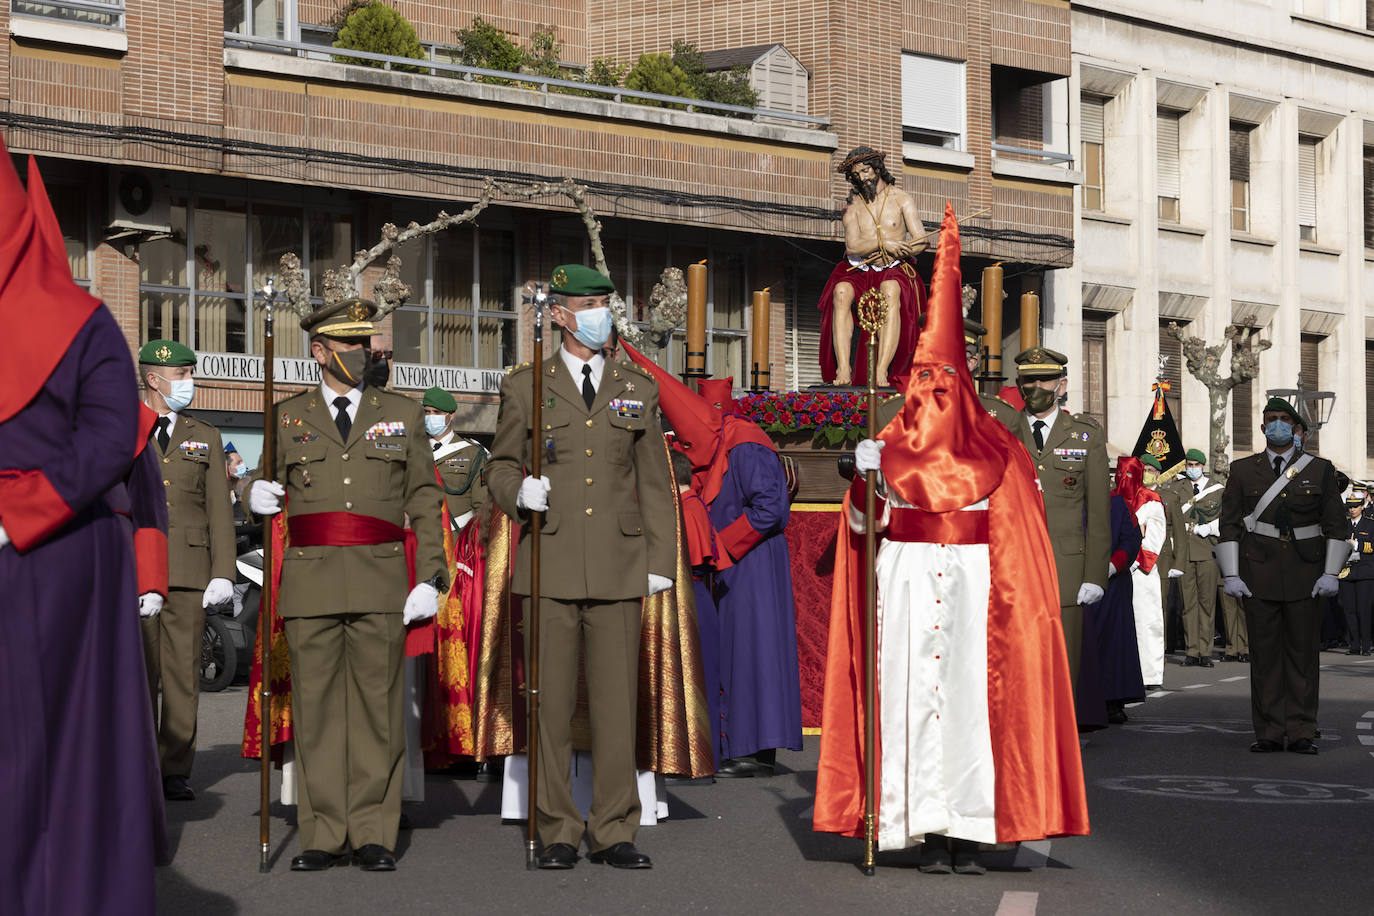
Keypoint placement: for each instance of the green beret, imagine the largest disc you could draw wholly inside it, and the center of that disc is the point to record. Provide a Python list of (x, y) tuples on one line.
[(166, 353), (350, 318), (439, 399), (1195, 454), (1150, 461), (1282, 406), (1040, 362), (577, 280)]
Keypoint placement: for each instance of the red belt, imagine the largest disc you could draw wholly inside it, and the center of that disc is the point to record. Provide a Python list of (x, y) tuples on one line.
[(918, 526), (347, 529)]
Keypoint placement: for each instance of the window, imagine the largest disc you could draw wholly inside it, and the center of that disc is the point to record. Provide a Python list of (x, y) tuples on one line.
[(1166, 165), (1307, 188), (1240, 177), (69, 204), (1095, 365), (1171, 348), (1369, 193), (107, 14), (1309, 359), (261, 18), (1243, 412), (933, 101), (1094, 109)]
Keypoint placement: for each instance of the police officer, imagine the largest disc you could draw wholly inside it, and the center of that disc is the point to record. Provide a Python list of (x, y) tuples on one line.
[(460, 461), (200, 555), (1070, 457), (355, 462), (609, 540), (1357, 579), (1283, 542), (1201, 510)]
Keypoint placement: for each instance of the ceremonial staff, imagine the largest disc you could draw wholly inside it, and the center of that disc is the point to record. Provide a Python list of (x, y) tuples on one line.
[(872, 314), (532, 610), (266, 604)]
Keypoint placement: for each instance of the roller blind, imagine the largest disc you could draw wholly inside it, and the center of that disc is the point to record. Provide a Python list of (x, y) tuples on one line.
[(1307, 181), (1309, 359), (1094, 109), (1369, 194), (1166, 141), (933, 94), (1172, 347), (1240, 152)]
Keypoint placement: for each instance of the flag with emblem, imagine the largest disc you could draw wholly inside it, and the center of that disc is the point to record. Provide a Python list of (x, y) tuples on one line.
[(1159, 436)]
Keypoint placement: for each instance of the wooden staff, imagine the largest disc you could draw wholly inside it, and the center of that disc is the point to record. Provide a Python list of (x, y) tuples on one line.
[(265, 604), (532, 613), (872, 314)]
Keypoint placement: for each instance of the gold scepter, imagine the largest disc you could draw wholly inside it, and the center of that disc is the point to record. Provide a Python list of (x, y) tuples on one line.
[(872, 316)]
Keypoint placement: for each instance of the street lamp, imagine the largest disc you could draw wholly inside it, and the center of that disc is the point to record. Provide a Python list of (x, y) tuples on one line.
[(1314, 406)]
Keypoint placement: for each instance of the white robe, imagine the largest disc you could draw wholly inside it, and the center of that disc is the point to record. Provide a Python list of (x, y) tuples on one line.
[(1145, 591), (653, 791)]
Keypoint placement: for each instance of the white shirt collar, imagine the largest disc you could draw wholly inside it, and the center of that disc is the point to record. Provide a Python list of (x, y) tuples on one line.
[(597, 362), (1048, 421), (354, 395), (1287, 455), (171, 416)]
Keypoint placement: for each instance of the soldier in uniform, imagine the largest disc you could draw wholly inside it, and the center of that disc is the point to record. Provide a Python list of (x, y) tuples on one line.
[(460, 461), (356, 462), (609, 540), (1357, 579), (1070, 457), (1201, 508), (200, 555), (1283, 542)]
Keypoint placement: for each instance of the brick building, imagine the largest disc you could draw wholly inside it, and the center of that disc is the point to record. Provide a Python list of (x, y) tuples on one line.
[(188, 144)]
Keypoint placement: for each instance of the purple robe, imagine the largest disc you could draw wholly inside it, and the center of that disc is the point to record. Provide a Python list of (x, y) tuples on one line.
[(1118, 656), (78, 761), (760, 685)]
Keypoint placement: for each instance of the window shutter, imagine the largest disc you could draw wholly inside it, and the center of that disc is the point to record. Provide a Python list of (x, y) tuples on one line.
[(1368, 398), (1309, 360), (933, 94), (803, 345), (1172, 347), (1094, 113), (1167, 154), (1240, 152), (1369, 194), (1095, 365), (1307, 181), (1243, 414)]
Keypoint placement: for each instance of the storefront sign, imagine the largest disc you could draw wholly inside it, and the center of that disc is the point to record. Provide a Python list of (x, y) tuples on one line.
[(235, 367)]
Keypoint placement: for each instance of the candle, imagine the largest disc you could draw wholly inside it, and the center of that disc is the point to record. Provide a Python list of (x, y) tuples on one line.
[(992, 319), (1030, 320), (762, 308), (696, 320)]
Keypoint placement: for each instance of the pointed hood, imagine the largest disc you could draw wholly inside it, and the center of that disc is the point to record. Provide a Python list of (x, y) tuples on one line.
[(944, 451), (718, 392), (39, 304), (1130, 483)]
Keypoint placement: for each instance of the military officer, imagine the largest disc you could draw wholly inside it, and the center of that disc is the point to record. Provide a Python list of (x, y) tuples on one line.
[(355, 462), (609, 540), (200, 555), (1201, 508), (1357, 579), (460, 461), (1283, 542), (1070, 456)]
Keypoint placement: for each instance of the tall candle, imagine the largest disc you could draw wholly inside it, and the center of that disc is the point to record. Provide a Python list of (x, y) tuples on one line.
[(992, 319), (696, 320), (1030, 320), (762, 308)]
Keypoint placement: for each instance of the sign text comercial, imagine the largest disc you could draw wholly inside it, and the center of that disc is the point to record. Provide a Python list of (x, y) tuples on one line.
[(236, 367)]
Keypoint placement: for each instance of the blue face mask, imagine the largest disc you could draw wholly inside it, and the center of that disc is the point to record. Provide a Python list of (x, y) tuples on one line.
[(1278, 433), (1193, 473), (593, 327), (241, 472), (435, 423), (179, 393)]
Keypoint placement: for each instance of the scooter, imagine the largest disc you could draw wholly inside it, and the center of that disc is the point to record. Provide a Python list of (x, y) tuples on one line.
[(226, 648)]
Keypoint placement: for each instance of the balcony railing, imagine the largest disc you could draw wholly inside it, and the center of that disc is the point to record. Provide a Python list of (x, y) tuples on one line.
[(541, 84), (105, 15), (1024, 154)]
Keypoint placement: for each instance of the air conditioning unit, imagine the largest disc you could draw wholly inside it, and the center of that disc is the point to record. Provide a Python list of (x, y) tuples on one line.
[(138, 204)]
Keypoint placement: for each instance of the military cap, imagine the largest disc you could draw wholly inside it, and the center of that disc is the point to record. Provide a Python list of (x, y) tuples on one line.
[(973, 331), (1195, 454), (1150, 461), (1282, 406), (351, 317), (439, 399), (166, 353), (578, 280), (1040, 362), (1356, 498)]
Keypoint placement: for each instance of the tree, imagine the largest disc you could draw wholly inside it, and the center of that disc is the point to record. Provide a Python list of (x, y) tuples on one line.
[(485, 45), (379, 29), (543, 56), (729, 87), (605, 71), (658, 74), (1204, 364)]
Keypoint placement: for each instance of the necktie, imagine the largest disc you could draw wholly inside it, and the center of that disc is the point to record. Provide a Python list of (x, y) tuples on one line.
[(588, 392), (163, 440), (1039, 426), (341, 419), (1197, 488), (438, 445), (1278, 465)]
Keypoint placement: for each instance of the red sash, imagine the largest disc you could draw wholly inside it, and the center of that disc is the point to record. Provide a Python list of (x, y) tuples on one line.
[(961, 527)]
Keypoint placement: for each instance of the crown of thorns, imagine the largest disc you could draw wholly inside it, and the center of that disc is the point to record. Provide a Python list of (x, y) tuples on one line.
[(857, 155)]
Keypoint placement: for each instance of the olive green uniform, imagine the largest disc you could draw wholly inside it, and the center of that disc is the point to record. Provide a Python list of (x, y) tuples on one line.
[(462, 468), (609, 524), (1284, 619), (342, 607), (1200, 578), (1175, 552), (200, 547)]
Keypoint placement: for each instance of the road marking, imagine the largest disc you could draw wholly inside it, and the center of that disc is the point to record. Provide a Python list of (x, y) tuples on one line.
[(1194, 686), (1239, 677), (1366, 739), (1364, 725), (1018, 903), (1368, 715), (1160, 693)]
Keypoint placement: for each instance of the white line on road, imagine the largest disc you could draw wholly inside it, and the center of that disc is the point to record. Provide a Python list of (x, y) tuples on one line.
[(1238, 677), (1366, 739), (1364, 725), (1368, 715), (1018, 903), (1161, 693), (1193, 686)]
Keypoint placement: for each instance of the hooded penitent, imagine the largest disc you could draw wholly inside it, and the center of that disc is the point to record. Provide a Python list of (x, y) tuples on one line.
[(981, 744)]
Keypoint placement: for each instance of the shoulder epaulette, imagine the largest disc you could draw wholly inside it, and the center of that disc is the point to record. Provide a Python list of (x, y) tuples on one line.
[(634, 367), (517, 367)]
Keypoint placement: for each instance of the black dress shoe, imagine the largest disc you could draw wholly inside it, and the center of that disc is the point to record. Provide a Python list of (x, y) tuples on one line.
[(558, 855), (1116, 715), (1191, 661), (1265, 746), (373, 857), (1243, 657), (1230, 658), (621, 855), (1352, 652), (1303, 746), (1206, 662), (491, 770), (174, 788), (935, 856), (318, 860), (742, 767)]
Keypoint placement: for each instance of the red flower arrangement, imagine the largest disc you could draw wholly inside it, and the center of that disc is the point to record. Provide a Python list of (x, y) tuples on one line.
[(833, 417)]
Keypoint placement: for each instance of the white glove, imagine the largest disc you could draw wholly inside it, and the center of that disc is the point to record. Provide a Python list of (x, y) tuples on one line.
[(1236, 587), (533, 495), (1111, 569), (4, 537), (1135, 566), (1208, 529), (868, 455), (219, 591), (1326, 586), (264, 497), (659, 583), (421, 604), (1175, 574), (1089, 593), (149, 604)]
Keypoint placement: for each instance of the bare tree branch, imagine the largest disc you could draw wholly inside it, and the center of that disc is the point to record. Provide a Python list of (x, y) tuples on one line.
[(1204, 364)]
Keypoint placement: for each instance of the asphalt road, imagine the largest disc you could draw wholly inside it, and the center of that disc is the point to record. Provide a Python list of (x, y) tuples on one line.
[(1184, 820)]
